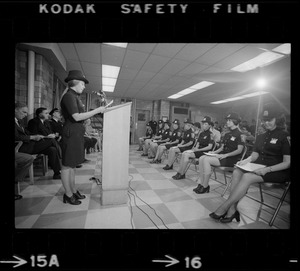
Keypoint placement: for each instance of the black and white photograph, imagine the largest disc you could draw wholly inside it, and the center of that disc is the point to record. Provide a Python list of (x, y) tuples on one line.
[(230, 100), (149, 135)]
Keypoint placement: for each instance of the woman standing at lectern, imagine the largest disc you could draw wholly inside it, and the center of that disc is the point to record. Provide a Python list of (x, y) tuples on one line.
[(73, 133)]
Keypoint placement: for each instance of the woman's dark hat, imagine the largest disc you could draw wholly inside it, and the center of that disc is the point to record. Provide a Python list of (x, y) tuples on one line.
[(76, 75), (197, 124), (188, 121), (233, 116), (270, 111), (207, 119), (176, 121)]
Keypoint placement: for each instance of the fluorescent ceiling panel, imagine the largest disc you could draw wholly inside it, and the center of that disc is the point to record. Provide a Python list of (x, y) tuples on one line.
[(240, 97), (117, 44), (261, 60), (186, 91), (108, 88), (191, 89), (175, 96), (110, 71), (202, 84), (283, 48), (109, 81)]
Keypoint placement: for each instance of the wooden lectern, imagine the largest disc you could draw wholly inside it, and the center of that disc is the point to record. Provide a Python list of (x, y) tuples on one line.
[(115, 154)]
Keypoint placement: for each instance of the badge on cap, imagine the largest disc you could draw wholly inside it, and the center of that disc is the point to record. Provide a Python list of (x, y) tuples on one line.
[(266, 113)]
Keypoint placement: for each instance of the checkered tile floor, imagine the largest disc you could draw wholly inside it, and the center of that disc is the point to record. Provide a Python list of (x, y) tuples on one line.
[(155, 201)]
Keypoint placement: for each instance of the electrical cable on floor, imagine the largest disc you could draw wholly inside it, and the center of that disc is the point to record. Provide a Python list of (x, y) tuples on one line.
[(145, 202), (131, 212), (142, 209)]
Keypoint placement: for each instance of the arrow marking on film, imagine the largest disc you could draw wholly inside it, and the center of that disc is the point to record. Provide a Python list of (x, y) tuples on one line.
[(19, 261), (171, 261)]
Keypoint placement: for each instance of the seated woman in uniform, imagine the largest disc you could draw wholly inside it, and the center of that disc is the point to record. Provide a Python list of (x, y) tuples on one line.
[(186, 143), (204, 143), (166, 136), (157, 136), (174, 141), (271, 149), (149, 134), (227, 155)]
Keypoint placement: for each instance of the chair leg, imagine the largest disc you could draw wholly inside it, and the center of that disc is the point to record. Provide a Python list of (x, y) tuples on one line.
[(225, 178), (227, 186), (261, 193), (188, 166), (214, 170), (31, 175), (19, 191), (279, 204)]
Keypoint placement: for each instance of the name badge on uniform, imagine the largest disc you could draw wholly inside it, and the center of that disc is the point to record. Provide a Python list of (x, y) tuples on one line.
[(188, 135), (232, 138), (273, 140), (205, 137)]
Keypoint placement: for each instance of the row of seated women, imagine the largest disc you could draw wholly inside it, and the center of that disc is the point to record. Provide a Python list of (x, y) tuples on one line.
[(271, 150)]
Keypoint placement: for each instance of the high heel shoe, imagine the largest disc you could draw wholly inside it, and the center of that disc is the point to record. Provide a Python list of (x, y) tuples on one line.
[(235, 216), (217, 217), (77, 195), (72, 200)]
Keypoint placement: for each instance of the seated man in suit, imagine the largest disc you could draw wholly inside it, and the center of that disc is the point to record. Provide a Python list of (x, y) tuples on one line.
[(36, 143), (55, 123)]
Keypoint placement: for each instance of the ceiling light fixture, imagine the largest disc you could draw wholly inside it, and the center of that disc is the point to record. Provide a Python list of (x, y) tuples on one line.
[(191, 89), (261, 60)]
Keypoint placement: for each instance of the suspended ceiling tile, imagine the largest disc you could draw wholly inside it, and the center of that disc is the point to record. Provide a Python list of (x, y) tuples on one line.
[(127, 73), (155, 63), (89, 52), (168, 49), (68, 50), (218, 53), (192, 69), (192, 51), (160, 78), (238, 57), (122, 84), (212, 70), (174, 81), (174, 66), (134, 60), (142, 47), (136, 85), (112, 55), (144, 76), (92, 69), (73, 65)]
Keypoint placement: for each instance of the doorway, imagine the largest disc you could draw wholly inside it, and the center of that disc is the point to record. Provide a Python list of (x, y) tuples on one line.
[(142, 117)]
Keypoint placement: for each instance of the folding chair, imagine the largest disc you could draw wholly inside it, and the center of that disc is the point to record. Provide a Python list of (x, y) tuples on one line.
[(44, 159), (17, 147), (195, 161), (286, 187), (227, 170)]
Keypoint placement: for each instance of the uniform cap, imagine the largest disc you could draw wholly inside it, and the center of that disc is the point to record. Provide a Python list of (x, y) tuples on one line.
[(188, 121), (270, 111), (207, 119), (233, 116), (176, 121), (197, 124), (160, 121)]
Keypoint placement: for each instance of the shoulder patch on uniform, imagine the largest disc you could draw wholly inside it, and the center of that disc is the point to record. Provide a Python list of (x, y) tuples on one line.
[(289, 139)]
